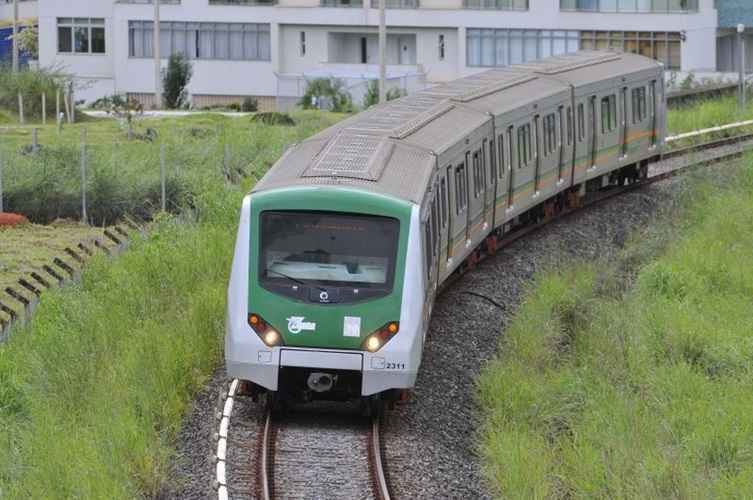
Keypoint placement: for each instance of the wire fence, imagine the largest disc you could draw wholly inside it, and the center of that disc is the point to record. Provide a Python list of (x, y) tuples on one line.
[(94, 175)]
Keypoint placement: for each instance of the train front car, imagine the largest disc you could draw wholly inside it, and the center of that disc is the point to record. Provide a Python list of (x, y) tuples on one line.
[(325, 295)]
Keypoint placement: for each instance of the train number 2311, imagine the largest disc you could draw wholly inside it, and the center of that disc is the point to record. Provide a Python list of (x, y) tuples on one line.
[(395, 366)]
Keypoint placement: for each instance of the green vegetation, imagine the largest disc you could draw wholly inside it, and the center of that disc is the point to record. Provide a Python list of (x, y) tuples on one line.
[(175, 79), (124, 176), (31, 84), (327, 93), (27, 248), (93, 391), (634, 380), (372, 94), (706, 114)]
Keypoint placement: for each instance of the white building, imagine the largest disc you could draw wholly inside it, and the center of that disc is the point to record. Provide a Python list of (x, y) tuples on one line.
[(268, 48)]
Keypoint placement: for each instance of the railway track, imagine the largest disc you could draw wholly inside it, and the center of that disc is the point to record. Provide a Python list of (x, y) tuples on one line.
[(342, 454), (343, 460)]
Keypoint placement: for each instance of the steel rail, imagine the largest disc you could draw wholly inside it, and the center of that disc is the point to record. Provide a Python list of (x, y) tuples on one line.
[(379, 479), (266, 456)]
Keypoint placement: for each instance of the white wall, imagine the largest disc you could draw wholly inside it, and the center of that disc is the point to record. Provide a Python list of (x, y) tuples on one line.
[(26, 10), (117, 71)]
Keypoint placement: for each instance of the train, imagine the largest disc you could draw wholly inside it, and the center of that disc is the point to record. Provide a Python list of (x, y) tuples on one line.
[(343, 245)]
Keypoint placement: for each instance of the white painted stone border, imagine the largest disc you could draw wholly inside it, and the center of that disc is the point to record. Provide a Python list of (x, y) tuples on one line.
[(227, 411), (696, 133)]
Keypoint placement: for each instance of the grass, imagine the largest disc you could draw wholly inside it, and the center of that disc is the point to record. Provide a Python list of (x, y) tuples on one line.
[(124, 176), (634, 380), (707, 114), (94, 389), (27, 248)]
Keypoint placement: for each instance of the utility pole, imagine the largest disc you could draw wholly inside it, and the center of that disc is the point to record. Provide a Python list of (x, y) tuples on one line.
[(15, 36), (382, 49), (741, 50), (157, 58)]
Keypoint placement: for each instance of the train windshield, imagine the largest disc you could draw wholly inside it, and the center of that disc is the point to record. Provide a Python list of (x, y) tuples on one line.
[(328, 249)]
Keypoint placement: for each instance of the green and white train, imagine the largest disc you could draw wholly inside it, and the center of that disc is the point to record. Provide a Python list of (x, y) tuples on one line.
[(343, 245)]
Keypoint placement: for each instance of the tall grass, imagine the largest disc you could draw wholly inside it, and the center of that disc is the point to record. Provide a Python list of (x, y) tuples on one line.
[(706, 114), (600, 392), (124, 176)]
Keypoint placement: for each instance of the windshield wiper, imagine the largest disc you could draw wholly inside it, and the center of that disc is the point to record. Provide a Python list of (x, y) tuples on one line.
[(295, 280)]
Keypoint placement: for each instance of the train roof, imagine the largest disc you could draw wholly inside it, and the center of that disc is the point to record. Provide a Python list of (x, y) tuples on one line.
[(390, 149)]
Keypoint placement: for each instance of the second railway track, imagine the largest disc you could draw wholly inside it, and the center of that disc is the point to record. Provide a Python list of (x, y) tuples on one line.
[(320, 454)]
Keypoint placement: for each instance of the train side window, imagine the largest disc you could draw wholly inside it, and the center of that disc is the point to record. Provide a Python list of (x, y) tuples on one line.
[(476, 174), (490, 168), (524, 145), (652, 98), (581, 122), (444, 201), (501, 154), (639, 104), (569, 125), (560, 117), (608, 113), (434, 226), (509, 147), (460, 189), (548, 133)]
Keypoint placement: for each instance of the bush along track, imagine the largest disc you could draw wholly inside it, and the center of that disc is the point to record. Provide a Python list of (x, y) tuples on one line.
[(633, 380)]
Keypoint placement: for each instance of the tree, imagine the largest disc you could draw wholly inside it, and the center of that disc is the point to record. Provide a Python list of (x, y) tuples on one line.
[(175, 80), (372, 94), (329, 93)]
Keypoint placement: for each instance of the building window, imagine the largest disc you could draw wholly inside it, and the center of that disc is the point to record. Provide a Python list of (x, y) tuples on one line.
[(441, 47), (341, 3), (496, 4), (396, 4), (81, 35), (303, 43), (225, 41), (503, 47), (660, 45), (650, 6)]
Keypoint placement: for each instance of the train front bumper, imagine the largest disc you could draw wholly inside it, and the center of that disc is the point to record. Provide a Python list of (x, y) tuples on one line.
[(247, 358)]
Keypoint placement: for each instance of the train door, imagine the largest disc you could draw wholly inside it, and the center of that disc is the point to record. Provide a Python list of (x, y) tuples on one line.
[(451, 202), (477, 187), (608, 132), (510, 148), (488, 167), (592, 125), (652, 111), (431, 243), (624, 124), (560, 143), (523, 174), (468, 197), (443, 215), (459, 210), (536, 155)]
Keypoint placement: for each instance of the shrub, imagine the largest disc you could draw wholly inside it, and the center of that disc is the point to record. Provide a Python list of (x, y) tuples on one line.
[(123, 108), (175, 80), (31, 84), (372, 94), (274, 118), (327, 93), (249, 105)]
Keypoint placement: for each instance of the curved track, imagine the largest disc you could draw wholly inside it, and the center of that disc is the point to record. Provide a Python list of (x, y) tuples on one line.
[(341, 455)]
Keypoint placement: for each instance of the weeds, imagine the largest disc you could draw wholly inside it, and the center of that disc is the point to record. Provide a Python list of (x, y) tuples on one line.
[(640, 394)]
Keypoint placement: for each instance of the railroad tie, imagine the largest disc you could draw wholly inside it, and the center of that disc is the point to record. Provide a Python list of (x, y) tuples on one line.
[(40, 280), (74, 255), (13, 293), (114, 238), (29, 287), (10, 312), (121, 231), (88, 251), (61, 264), (102, 247), (53, 273)]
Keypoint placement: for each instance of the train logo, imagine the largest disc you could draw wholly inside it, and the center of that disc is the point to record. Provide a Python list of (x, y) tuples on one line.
[(296, 324), (324, 296)]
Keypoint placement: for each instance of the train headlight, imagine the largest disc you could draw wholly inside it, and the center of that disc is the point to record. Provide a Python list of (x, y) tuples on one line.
[(264, 330), (376, 340)]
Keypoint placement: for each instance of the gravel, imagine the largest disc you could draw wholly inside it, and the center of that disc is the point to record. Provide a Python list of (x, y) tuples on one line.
[(431, 441)]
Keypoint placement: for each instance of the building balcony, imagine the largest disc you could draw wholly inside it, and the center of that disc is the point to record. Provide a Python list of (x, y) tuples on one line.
[(631, 6)]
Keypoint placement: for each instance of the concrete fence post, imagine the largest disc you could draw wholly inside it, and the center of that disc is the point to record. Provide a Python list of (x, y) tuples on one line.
[(84, 217), (226, 164), (44, 108), (162, 175), (34, 139), (1, 182)]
